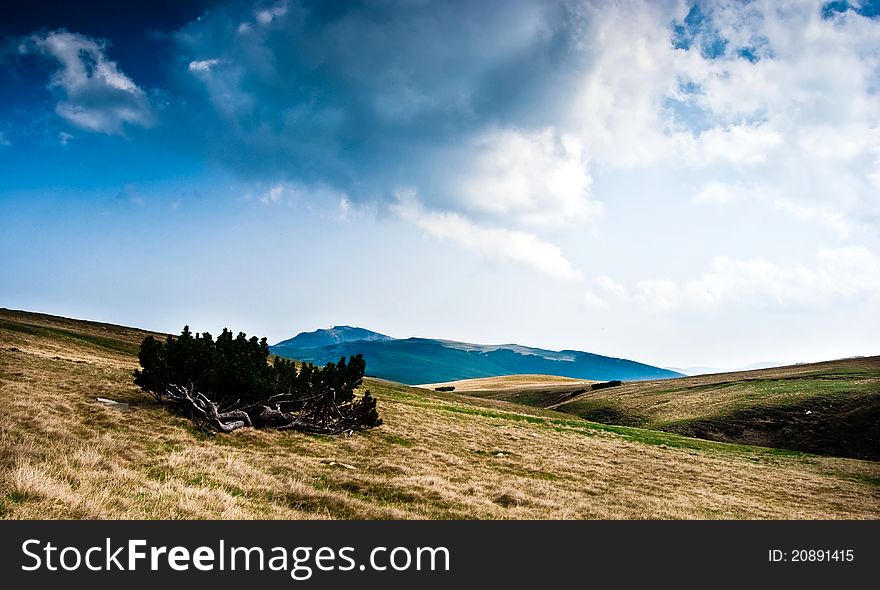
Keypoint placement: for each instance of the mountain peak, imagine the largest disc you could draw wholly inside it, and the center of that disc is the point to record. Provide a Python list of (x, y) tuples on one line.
[(330, 336)]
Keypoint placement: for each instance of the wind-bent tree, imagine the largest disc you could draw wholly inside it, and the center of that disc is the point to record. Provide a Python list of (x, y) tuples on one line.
[(228, 383)]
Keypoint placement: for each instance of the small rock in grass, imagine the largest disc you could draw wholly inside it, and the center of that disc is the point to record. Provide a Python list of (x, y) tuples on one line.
[(338, 464), (121, 406)]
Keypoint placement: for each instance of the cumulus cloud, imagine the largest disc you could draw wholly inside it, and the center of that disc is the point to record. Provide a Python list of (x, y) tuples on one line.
[(4, 142), (742, 146), (511, 121), (536, 178), (493, 242), (93, 93), (202, 65), (720, 194), (783, 93), (507, 127), (375, 96), (265, 16), (835, 275)]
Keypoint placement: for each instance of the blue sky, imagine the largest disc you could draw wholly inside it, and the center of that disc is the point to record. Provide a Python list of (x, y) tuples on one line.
[(683, 184)]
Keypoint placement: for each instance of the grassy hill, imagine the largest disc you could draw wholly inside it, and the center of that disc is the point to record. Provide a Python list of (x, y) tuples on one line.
[(64, 455), (532, 390), (831, 407)]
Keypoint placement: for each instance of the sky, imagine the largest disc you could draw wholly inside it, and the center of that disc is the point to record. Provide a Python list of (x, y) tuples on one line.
[(679, 183)]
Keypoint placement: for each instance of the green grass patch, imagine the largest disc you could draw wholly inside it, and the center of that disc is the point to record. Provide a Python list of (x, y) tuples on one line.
[(18, 497), (387, 494), (160, 473), (605, 412), (397, 440), (58, 333), (317, 503), (872, 480)]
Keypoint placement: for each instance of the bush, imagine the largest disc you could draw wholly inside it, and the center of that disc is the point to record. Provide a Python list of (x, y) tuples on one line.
[(228, 383), (614, 383)]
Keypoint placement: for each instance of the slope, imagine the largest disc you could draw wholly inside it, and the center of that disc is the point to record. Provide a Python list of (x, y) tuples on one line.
[(831, 407), (532, 390), (63, 455)]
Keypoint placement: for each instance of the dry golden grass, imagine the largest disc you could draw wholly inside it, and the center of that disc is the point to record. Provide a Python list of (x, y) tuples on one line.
[(541, 391), (507, 382), (63, 455)]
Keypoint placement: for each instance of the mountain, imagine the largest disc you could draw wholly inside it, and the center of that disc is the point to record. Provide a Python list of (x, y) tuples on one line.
[(425, 360), (334, 335)]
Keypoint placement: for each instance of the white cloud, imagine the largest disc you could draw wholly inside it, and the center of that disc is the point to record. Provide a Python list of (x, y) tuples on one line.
[(660, 294), (801, 118), (275, 193), (267, 15), (321, 200), (611, 286), (617, 108), (263, 17), (836, 275), (4, 142), (493, 242), (743, 145), (531, 178), (593, 300), (523, 116), (344, 207), (809, 64), (203, 65), (94, 94), (64, 138), (722, 194)]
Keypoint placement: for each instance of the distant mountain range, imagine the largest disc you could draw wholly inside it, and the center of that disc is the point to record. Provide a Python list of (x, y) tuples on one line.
[(425, 360)]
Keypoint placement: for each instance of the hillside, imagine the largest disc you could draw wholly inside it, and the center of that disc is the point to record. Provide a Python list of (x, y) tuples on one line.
[(533, 390), (64, 455), (421, 360), (831, 407)]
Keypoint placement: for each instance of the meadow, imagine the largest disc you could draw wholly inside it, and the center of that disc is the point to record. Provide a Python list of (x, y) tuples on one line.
[(64, 455)]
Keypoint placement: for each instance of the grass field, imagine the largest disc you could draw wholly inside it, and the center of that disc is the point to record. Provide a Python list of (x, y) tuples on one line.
[(532, 390), (831, 407), (438, 455)]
